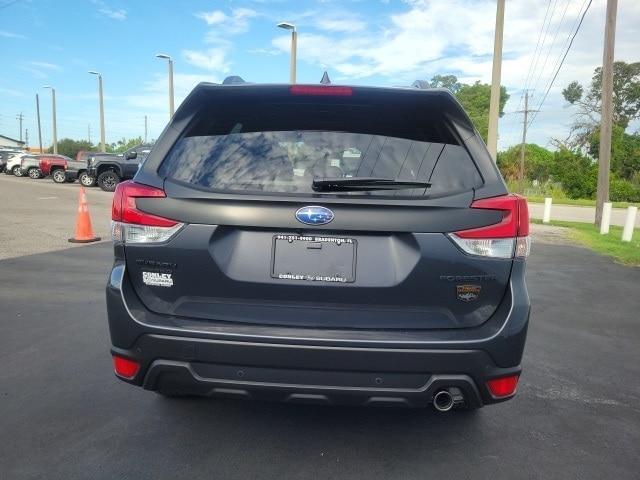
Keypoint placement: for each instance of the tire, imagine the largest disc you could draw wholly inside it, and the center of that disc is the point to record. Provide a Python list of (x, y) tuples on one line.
[(108, 180), (34, 173), (86, 180), (17, 171), (59, 176)]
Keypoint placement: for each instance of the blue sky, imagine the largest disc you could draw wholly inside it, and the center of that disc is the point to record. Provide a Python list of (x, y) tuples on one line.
[(373, 42)]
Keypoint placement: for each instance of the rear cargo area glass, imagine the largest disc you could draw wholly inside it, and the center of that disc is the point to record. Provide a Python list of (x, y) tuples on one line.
[(281, 147)]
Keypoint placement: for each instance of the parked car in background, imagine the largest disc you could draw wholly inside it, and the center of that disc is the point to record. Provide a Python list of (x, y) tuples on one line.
[(108, 170), (5, 154), (13, 164), (54, 165), (30, 165)]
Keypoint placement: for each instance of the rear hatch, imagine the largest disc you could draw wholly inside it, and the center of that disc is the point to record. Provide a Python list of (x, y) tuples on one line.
[(234, 231)]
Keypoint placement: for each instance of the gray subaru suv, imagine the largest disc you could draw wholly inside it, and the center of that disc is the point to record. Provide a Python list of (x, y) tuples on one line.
[(320, 244)]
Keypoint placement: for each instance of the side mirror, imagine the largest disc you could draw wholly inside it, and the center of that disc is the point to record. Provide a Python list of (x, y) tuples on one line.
[(131, 155)]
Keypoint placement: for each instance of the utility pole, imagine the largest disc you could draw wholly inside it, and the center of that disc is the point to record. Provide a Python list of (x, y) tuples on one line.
[(89, 132), (525, 125), (20, 118), (26, 137), (494, 103), (39, 129), (145, 129), (606, 121)]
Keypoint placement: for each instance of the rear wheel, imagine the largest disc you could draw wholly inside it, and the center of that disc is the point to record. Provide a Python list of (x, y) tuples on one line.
[(59, 176), (86, 180), (34, 173), (107, 181), (17, 171)]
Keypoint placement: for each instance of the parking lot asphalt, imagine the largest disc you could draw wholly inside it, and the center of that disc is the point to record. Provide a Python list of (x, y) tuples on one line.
[(40, 215), (63, 414)]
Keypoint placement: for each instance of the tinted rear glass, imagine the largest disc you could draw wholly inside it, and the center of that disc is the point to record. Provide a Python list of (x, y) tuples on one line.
[(280, 147)]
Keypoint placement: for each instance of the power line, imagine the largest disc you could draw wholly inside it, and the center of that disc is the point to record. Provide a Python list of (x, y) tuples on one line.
[(561, 62), (544, 41), (553, 42), (535, 53), (566, 41)]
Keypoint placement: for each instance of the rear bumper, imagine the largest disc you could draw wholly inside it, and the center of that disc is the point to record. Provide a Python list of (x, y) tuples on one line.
[(314, 365)]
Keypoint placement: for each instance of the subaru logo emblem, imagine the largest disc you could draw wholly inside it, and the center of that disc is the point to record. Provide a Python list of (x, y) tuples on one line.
[(314, 215)]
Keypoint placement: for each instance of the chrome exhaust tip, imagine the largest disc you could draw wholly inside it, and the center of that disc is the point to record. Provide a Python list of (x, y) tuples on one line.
[(443, 401)]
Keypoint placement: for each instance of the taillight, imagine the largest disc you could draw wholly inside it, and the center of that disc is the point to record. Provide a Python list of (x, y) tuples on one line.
[(506, 239), (503, 386), (321, 90), (125, 368), (131, 225)]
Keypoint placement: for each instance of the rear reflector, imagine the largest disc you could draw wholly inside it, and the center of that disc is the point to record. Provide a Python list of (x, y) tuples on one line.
[(125, 368), (505, 239), (329, 90), (131, 225), (503, 387)]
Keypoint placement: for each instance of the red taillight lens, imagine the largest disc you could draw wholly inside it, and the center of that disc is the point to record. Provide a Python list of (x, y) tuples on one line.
[(503, 387), (505, 239), (123, 208), (125, 368), (515, 218), (329, 90)]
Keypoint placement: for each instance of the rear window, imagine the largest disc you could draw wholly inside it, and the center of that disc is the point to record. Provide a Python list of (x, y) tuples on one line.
[(281, 147)]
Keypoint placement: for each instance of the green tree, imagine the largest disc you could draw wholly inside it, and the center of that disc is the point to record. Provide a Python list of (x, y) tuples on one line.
[(123, 144), (70, 147), (626, 100), (576, 172), (625, 151), (475, 100), (538, 162)]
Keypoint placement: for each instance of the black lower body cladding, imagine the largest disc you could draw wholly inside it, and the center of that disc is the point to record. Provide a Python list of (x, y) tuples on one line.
[(325, 366)]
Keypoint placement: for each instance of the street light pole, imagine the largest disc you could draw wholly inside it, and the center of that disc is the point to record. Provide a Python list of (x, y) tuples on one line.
[(294, 49), (171, 93), (53, 109), (39, 129), (101, 98)]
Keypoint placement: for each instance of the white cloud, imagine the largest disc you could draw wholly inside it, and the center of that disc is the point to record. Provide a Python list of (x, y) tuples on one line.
[(119, 14), (340, 24), (213, 18), (45, 65), (236, 22), (5, 34), (153, 97), (213, 59), (11, 92)]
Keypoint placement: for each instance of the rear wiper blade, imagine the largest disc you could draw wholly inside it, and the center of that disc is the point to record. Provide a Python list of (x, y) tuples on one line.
[(363, 184)]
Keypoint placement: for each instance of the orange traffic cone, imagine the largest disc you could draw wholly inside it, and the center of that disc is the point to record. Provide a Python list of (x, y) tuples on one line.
[(84, 230)]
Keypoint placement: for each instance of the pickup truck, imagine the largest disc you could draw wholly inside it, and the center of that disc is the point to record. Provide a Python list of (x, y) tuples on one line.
[(30, 164), (110, 169), (54, 165)]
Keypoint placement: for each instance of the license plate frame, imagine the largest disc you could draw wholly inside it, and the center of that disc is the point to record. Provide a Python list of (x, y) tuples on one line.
[(314, 258)]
